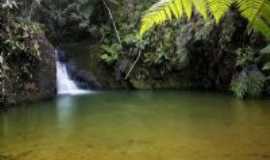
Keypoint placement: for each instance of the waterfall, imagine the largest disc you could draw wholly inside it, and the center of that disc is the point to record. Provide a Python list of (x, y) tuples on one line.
[(65, 85)]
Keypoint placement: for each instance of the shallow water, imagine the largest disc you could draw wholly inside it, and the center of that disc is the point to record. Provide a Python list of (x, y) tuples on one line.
[(145, 125)]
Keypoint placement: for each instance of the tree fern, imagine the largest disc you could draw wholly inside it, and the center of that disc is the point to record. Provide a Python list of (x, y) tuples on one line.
[(257, 12)]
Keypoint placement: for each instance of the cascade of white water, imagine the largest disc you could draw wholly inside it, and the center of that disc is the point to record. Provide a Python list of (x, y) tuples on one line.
[(65, 85)]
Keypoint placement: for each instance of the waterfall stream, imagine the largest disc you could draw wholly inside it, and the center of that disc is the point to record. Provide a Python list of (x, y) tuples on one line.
[(65, 85)]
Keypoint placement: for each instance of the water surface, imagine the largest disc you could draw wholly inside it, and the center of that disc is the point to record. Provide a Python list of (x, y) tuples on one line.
[(147, 125)]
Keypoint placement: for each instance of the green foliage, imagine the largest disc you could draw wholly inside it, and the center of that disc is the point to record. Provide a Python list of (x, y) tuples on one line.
[(251, 82), (111, 53), (62, 18), (256, 11), (265, 58), (17, 34), (248, 84), (245, 57), (248, 56), (266, 50), (20, 37), (20, 45), (158, 49), (9, 4), (19, 48), (80, 11), (266, 67)]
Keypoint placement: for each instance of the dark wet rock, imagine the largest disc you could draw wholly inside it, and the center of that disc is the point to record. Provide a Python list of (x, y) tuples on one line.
[(121, 69), (84, 79), (212, 51), (251, 70), (46, 70), (61, 57), (267, 91)]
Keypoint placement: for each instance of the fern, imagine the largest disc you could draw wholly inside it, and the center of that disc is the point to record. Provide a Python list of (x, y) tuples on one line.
[(257, 12)]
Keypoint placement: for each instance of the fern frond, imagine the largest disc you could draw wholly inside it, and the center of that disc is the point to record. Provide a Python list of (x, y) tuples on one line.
[(219, 8), (256, 11), (167, 9), (202, 7), (159, 13), (258, 14), (187, 6)]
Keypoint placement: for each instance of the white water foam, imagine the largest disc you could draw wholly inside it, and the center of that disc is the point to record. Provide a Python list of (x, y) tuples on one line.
[(65, 85)]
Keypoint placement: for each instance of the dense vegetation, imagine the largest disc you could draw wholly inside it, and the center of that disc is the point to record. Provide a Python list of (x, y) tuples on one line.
[(218, 51), (22, 44), (251, 80)]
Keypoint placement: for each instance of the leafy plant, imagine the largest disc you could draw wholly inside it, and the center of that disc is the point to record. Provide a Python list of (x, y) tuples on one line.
[(250, 83), (245, 57), (9, 4), (257, 12), (265, 58), (255, 69), (20, 48), (111, 53), (20, 37)]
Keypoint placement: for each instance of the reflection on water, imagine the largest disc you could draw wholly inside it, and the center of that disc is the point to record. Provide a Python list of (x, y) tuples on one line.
[(138, 126), (65, 108)]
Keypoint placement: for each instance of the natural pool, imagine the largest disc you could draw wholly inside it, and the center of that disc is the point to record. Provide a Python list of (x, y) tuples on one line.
[(143, 125)]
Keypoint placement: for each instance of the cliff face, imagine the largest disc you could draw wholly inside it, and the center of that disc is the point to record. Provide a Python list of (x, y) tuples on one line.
[(28, 70), (45, 70), (187, 55)]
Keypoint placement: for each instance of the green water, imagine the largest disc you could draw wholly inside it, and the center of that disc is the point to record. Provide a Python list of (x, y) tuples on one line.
[(146, 125)]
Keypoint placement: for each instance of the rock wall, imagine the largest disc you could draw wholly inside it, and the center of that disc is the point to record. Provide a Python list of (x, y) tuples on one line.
[(27, 77)]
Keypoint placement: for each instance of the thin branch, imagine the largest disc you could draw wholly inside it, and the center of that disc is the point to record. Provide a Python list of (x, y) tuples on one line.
[(134, 64), (113, 21)]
